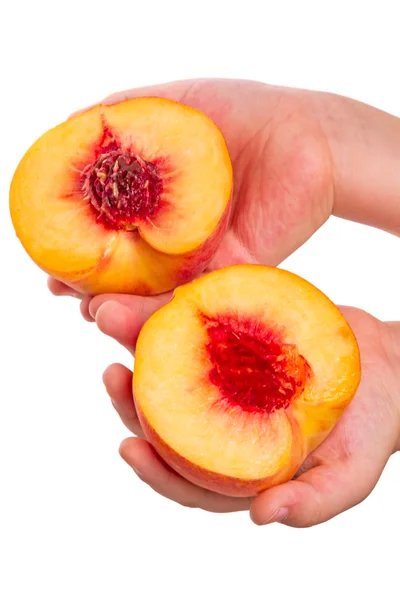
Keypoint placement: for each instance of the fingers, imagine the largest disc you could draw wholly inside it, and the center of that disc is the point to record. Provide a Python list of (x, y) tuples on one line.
[(122, 319), (121, 316), (119, 322), (174, 90), (319, 494), (84, 307), (140, 455), (118, 383), (57, 288)]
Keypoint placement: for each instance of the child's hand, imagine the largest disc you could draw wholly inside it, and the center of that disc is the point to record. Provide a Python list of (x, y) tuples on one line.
[(337, 475)]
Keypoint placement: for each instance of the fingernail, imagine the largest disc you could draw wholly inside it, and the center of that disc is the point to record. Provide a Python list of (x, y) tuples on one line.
[(137, 471), (92, 310), (278, 516)]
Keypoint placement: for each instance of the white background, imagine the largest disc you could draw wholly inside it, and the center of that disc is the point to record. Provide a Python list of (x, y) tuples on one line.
[(75, 522)]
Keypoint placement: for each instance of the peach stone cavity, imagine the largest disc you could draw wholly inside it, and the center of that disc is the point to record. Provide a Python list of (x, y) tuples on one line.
[(124, 189), (252, 366)]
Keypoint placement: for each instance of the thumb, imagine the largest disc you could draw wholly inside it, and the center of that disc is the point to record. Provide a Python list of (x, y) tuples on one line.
[(319, 494)]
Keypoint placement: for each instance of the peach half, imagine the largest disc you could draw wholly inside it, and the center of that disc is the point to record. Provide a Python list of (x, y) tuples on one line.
[(130, 198), (241, 375)]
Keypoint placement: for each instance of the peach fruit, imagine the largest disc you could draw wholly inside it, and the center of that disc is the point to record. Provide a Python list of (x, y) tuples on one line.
[(241, 375), (130, 198)]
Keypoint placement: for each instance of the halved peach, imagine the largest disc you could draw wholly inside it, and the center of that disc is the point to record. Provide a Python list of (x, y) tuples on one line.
[(132, 197), (241, 375)]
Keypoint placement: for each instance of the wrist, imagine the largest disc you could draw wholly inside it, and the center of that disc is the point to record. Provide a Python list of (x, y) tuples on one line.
[(365, 149)]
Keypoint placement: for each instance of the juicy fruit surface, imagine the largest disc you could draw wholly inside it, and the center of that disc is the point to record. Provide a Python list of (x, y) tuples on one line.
[(124, 189), (252, 366), (132, 197), (241, 375)]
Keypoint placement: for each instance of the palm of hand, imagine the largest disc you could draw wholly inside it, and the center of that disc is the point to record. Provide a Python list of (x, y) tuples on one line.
[(283, 192), (279, 154)]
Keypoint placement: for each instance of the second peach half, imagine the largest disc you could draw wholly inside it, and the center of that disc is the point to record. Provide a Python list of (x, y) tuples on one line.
[(241, 375)]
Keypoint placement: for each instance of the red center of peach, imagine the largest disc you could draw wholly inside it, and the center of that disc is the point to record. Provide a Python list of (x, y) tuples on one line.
[(252, 367), (123, 189)]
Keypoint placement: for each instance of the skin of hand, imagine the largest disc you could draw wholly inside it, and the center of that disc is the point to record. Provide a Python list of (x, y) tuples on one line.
[(296, 157)]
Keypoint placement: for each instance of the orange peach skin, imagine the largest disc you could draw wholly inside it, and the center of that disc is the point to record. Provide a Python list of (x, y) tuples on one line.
[(217, 445), (65, 236)]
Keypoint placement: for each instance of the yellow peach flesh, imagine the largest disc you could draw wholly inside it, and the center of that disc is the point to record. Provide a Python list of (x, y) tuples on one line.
[(58, 225)]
